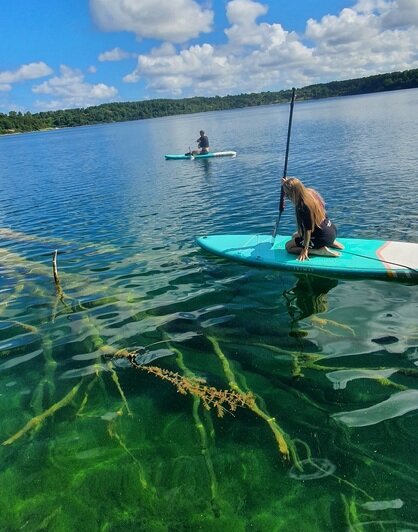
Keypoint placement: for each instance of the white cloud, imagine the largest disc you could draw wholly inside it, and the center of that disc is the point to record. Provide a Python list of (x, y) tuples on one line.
[(242, 15), (197, 67), (92, 69), (360, 41), (257, 57), (169, 20), (403, 14), (366, 20), (395, 13), (5, 87), (348, 26), (244, 12), (133, 77), (116, 54), (371, 37), (70, 90), (25, 72), (372, 6), (156, 56), (166, 49)]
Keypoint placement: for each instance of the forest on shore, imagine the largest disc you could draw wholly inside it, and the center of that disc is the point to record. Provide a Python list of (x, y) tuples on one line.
[(17, 122)]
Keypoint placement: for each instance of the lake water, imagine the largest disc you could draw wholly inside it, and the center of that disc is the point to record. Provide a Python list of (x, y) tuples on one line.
[(90, 442)]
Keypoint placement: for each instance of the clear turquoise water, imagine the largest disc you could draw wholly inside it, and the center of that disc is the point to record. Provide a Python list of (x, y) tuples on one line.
[(108, 447)]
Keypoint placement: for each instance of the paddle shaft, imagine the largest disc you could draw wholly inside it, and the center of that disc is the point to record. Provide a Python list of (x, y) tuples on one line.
[(289, 129)]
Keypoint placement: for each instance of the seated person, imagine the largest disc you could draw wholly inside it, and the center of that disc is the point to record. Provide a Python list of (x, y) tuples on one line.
[(316, 233), (202, 144)]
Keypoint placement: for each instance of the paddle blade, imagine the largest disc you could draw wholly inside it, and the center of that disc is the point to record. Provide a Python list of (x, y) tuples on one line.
[(276, 228)]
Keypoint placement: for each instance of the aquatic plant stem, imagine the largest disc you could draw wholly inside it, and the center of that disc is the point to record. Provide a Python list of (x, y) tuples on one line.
[(114, 435), (310, 361), (100, 345), (274, 348), (213, 483), (55, 270), (86, 395), (37, 420), (48, 378), (350, 512), (115, 379), (201, 430), (322, 322), (384, 381), (60, 292), (18, 288), (19, 236), (286, 447)]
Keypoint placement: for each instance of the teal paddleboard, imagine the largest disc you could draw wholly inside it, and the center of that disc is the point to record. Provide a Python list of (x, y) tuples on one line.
[(360, 258), (203, 156)]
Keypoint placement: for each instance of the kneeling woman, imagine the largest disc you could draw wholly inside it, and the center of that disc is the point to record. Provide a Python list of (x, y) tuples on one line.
[(316, 233)]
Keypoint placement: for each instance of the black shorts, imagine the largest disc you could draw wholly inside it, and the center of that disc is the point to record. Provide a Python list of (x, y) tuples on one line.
[(321, 237)]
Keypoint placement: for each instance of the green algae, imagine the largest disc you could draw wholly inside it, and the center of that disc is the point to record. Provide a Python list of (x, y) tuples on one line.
[(110, 448)]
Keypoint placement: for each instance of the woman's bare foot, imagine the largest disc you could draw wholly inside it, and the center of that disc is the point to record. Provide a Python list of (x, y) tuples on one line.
[(336, 245), (324, 252)]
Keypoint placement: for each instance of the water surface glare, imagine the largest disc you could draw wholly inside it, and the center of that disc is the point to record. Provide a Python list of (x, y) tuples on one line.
[(327, 438)]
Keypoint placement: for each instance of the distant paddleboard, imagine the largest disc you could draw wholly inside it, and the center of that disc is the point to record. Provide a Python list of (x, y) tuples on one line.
[(360, 258), (203, 155)]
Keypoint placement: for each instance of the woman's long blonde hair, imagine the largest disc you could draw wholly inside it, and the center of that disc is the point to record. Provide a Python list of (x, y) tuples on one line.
[(300, 194)]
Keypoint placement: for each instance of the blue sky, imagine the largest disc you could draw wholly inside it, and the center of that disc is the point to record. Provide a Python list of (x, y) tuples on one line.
[(60, 54)]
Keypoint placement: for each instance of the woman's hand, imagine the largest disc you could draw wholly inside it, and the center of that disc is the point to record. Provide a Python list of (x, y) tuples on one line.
[(303, 255)]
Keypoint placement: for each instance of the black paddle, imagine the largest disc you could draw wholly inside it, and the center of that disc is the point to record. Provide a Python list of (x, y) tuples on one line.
[(281, 203)]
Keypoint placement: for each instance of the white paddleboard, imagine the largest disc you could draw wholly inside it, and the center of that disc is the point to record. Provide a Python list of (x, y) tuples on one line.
[(203, 155)]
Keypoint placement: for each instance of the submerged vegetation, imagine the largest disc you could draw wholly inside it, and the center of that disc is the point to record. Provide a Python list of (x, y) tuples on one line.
[(191, 487), (17, 122)]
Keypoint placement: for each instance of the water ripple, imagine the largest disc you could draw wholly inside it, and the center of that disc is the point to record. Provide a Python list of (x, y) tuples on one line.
[(397, 405)]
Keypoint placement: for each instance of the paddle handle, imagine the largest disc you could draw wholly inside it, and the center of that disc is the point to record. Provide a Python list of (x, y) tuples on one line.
[(286, 158), (289, 129)]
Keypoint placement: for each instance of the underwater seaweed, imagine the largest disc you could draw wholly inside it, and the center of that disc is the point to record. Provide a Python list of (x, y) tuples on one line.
[(211, 397)]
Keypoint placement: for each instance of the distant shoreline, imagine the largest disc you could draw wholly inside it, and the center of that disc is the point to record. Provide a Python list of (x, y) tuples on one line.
[(11, 133), (15, 123)]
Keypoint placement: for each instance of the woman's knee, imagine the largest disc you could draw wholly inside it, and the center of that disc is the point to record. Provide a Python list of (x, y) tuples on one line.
[(290, 244)]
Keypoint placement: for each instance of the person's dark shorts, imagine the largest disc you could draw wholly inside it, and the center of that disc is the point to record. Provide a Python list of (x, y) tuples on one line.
[(321, 237)]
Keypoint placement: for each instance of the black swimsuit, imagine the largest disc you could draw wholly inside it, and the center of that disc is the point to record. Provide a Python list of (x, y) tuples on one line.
[(204, 144), (321, 236)]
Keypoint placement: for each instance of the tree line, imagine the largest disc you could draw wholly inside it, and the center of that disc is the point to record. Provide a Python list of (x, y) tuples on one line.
[(17, 122)]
